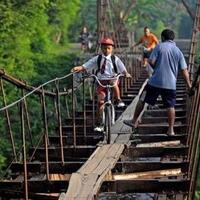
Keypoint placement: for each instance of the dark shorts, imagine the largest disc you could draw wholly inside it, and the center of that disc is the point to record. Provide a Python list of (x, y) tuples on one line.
[(150, 94), (146, 54)]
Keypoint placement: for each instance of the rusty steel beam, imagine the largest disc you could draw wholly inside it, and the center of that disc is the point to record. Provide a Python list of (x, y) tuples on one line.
[(36, 196), (144, 186), (22, 84), (136, 152), (121, 166), (81, 140), (141, 166), (34, 186), (54, 167), (147, 138), (70, 153), (7, 115)]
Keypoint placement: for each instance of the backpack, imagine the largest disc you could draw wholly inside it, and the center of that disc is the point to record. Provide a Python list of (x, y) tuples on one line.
[(113, 62)]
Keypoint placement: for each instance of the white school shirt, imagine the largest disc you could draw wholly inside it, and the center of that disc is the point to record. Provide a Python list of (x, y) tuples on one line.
[(109, 69)]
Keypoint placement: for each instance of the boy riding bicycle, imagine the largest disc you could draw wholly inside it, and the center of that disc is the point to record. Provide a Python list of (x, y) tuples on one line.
[(107, 65)]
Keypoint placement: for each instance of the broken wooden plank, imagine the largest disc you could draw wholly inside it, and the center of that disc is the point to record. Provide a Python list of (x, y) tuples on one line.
[(86, 182), (160, 144), (119, 126), (148, 174), (55, 177)]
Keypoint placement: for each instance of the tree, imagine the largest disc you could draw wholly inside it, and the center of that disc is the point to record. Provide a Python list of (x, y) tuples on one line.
[(157, 14), (61, 14), (85, 17), (22, 35), (30, 40), (29, 31), (188, 9)]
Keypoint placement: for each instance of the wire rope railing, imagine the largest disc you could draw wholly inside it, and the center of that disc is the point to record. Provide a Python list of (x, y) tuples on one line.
[(34, 115)]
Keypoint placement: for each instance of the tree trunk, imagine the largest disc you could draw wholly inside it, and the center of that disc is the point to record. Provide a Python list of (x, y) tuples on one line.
[(188, 9)]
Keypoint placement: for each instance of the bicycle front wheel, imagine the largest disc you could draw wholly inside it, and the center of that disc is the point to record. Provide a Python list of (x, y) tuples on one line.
[(108, 122)]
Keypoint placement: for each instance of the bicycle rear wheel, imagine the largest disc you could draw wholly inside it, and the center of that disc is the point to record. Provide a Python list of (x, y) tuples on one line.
[(108, 122)]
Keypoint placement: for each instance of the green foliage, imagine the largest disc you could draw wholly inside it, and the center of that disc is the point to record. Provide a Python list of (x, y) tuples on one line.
[(61, 14), (2, 163), (31, 34), (157, 14), (5, 147), (58, 66), (22, 30), (29, 30), (197, 195), (85, 17), (160, 14), (185, 24)]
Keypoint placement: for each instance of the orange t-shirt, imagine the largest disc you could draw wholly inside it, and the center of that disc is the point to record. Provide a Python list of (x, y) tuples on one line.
[(149, 41)]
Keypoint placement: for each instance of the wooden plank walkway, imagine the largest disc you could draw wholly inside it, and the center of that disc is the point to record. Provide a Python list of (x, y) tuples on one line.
[(85, 183), (120, 133)]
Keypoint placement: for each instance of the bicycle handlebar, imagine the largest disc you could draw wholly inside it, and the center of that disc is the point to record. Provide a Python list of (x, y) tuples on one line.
[(106, 79)]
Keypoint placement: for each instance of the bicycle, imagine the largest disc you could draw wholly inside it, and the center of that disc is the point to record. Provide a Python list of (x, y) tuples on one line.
[(108, 118)]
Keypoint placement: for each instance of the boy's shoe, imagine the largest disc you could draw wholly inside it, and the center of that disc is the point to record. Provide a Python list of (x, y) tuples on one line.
[(120, 103), (99, 128), (129, 123)]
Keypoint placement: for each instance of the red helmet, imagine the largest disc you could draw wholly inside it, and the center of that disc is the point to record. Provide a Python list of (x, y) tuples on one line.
[(107, 41)]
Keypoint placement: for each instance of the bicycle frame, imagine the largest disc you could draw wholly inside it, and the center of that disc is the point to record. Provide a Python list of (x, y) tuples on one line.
[(108, 102), (108, 107)]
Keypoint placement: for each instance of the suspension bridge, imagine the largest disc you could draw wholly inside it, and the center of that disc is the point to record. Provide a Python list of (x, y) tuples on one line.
[(55, 154)]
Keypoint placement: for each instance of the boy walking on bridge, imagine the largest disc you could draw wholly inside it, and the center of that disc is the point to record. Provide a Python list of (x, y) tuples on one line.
[(167, 60), (107, 65)]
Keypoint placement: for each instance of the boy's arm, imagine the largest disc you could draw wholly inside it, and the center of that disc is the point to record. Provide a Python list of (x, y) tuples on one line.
[(78, 69), (90, 64), (136, 44), (126, 74)]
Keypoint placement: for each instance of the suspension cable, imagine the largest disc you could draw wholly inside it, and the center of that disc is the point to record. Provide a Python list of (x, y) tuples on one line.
[(37, 88)]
